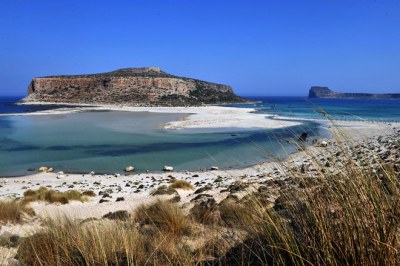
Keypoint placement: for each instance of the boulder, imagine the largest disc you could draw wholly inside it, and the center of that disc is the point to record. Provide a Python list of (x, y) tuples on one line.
[(129, 169), (120, 199), (118, 215), (214, 168), (43, 169), (324, 143), (167, 168), (303, 137)]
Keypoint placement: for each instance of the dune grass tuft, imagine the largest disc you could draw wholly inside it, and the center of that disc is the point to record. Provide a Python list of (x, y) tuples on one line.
[(52, 196), (13, 210), (181, 184), (346, 219), (67, 242), (166, 216)]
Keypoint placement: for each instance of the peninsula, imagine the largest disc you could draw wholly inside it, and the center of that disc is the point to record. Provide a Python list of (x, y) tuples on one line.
[(147, 86), (325, 92)]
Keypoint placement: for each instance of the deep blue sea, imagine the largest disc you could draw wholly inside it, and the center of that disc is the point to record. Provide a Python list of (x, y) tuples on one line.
[(339, 109), (107, 142)]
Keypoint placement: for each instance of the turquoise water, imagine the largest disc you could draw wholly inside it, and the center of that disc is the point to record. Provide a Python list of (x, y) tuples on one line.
[(106, 142)]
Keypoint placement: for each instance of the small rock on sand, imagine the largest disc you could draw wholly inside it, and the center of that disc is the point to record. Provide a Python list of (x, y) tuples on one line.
[(118, 215)]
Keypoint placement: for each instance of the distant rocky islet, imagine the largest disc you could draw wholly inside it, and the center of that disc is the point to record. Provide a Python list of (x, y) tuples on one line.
[(325, 92)]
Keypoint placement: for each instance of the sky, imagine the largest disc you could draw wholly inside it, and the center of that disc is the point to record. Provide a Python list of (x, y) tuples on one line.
[(272, 48)]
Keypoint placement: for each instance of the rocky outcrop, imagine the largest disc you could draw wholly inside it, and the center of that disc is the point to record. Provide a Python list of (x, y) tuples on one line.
[(131, 86), (325, 92)]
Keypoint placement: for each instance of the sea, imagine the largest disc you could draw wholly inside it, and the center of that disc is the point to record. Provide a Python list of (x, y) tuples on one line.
[(108, 141)]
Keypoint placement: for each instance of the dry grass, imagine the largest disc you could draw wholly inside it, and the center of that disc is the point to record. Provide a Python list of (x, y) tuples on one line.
[(156, 242), (352, 218), (166, 216), (181, 184), (52, 196), (171, 189), (13, 210)]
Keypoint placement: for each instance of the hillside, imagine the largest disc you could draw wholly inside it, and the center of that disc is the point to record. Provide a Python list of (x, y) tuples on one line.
[(148, 86)]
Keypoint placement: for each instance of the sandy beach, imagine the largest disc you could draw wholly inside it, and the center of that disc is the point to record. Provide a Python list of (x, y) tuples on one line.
[(215, 117), (126, 192)]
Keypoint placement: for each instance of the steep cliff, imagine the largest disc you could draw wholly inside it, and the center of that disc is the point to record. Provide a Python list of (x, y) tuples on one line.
[(147, 86), (325, 92)]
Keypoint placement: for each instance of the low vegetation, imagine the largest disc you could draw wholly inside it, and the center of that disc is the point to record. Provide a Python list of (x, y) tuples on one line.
[(346, 220), (13, 211), (166, 216), (157, 240), (52, 196), (171, 189), (181, 184)]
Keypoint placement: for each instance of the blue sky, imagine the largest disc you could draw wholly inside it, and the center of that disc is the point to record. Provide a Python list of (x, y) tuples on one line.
[(258, 47)]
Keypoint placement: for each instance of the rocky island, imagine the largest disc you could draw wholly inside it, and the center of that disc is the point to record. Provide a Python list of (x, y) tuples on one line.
[(147, 86), (325, 92)]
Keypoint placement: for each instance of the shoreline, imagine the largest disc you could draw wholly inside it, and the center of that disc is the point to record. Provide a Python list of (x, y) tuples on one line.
[(209, 118), (126, 193), (356, 131), (199, 117)]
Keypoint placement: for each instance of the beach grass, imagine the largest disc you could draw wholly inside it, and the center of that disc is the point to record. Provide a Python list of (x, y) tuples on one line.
[(171, 189), (52, 196), (158, 240), (180, 184), (13, 211), (165, 216)]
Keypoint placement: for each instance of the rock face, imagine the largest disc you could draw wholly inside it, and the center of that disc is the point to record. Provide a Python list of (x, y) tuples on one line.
[(325, 92), (148, 86)]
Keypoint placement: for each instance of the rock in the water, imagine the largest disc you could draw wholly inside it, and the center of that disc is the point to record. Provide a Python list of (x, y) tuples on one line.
[(325, 92), (129, 169), (43, 169), (303, 137), (167, 168)]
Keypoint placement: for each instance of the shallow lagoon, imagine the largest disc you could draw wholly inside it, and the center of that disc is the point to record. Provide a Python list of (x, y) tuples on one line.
[(109, 141)]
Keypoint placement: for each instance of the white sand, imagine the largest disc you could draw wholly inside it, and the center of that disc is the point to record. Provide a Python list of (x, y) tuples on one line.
[(205, 117)]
